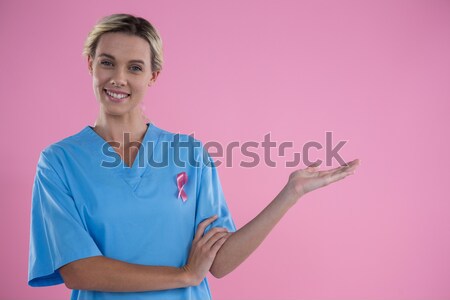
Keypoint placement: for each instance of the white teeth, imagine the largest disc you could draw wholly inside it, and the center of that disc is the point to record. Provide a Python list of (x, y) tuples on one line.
[(117, 96)]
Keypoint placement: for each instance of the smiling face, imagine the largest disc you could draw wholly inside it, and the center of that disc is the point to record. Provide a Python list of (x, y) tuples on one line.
[(121, 72)]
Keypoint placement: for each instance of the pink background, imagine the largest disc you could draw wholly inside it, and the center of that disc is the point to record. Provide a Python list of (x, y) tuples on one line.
[(375, 73)]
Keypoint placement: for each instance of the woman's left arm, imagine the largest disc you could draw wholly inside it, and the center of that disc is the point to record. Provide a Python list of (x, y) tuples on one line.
[(244, 241)]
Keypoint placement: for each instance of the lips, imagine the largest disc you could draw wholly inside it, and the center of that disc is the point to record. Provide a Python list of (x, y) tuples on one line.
[(116, 96)]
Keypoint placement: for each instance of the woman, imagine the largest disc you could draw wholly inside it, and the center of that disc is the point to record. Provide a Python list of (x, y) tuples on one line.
[(119, 210)]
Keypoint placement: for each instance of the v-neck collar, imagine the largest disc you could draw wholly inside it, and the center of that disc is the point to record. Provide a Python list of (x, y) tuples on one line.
[(132, 175)]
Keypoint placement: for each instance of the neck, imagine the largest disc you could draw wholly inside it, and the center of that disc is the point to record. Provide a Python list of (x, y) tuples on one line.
[(114, 128)]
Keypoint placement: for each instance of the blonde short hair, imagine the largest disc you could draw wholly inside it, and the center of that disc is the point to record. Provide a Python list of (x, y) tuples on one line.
[(131, 25)]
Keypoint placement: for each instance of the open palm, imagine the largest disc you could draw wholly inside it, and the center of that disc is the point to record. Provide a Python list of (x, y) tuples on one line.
[(309, 179)]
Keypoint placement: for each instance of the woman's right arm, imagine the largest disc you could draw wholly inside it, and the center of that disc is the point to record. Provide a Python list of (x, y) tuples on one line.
[(105, 274)]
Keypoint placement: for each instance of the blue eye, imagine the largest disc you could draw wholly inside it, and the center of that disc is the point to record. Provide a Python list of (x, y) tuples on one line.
[(136, 68), (105, 63)]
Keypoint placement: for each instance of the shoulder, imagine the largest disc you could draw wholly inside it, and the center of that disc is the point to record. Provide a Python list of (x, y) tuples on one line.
[(178, 137), (57, 152), (186, 145)]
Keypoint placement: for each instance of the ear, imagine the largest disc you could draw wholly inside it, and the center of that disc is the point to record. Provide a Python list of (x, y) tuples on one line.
[(90, 62), (153, 79)]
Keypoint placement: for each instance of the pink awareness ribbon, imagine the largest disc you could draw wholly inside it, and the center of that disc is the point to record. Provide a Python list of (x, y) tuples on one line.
[(181, 181)]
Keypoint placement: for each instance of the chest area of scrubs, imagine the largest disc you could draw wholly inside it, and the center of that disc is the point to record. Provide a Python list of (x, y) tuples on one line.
[(135, 214)]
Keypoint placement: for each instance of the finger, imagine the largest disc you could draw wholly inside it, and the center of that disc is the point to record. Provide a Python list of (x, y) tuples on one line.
[(313, 167), (312, 170), (347, 167), (202, 226), (353, 163), (331, 171), (314, 164), (215, 238), (343, 170), (308, 172), (338, 175), (215, 248), (351, 166), (212, 232)]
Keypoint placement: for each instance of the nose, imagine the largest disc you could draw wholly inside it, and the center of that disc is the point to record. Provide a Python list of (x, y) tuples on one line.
[(119, 78)]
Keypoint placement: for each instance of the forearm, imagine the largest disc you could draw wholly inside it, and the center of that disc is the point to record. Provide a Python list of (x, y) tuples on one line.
[(244, 241), (109, 275)]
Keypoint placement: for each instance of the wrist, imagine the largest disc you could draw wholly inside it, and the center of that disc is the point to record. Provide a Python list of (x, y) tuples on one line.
[(188, 277), (291, 193)]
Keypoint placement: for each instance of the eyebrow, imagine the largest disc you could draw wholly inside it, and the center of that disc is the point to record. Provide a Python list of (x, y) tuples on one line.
[(131, 61)]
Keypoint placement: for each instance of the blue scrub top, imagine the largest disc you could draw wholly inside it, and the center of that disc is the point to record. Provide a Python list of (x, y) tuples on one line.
[(87, 202)]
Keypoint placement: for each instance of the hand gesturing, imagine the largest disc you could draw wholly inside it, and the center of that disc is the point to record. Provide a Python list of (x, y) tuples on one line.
[(306, 180)]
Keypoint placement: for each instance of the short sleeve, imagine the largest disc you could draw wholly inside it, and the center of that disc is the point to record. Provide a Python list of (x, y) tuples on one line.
[(211, 199), (57, 234)]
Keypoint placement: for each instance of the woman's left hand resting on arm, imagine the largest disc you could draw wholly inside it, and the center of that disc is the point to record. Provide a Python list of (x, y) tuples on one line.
[(244, 241)]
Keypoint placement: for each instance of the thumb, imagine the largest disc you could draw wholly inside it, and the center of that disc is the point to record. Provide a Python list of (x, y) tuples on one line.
[(313, 166)]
